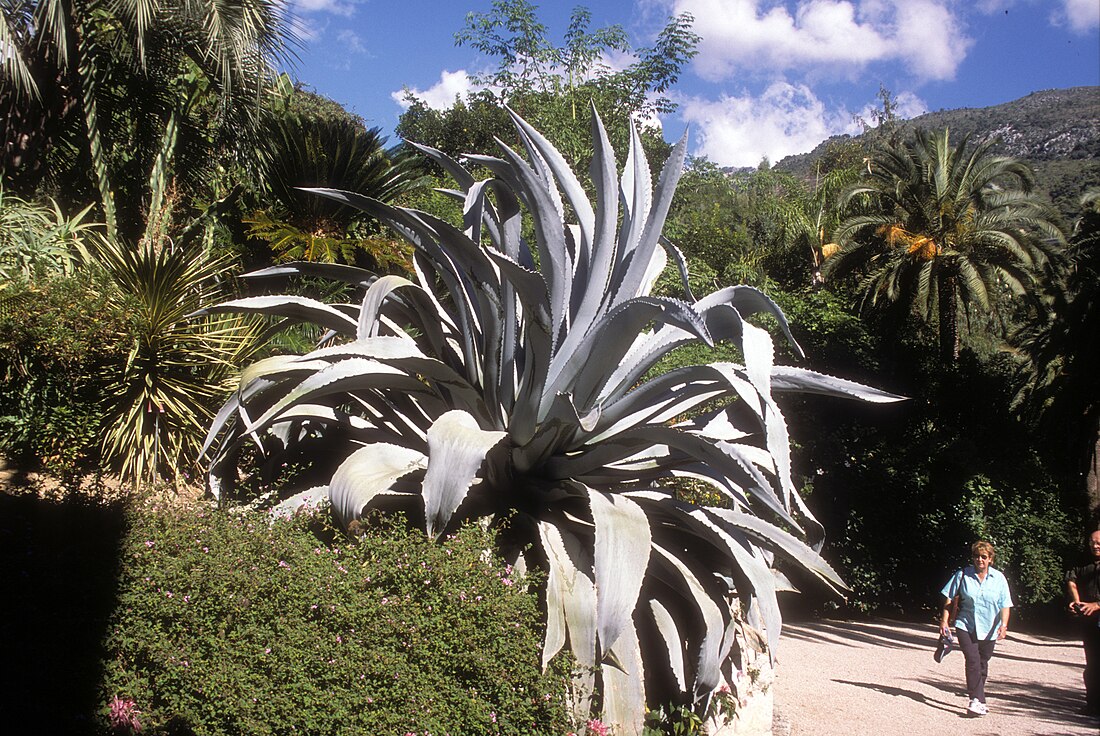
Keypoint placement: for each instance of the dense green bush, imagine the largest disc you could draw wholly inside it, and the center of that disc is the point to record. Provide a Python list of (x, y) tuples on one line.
[(904, 494), (229, 624), (59, 340)]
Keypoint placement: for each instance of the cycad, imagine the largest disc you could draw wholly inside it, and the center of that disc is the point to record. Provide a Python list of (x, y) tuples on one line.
[(509, 385)]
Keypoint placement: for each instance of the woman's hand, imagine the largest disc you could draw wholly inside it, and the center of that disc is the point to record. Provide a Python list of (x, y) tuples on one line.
[(945, 630), (1002, 632)]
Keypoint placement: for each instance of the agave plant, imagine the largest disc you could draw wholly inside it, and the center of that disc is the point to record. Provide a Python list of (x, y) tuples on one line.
[(509, 384)]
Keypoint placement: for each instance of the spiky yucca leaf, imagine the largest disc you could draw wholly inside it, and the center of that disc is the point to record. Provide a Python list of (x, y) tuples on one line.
[(495, 389)]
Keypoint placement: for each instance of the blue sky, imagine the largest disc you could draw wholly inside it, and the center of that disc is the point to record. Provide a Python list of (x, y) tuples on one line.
[(772, 78)]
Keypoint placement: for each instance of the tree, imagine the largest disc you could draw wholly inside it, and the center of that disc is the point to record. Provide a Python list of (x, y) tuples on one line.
[(1062, 350), (553, 86), (131, 87), (945, 229), (475, 393), (796, 221)]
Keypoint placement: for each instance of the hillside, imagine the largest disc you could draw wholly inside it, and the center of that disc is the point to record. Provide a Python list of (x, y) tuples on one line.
[(1056, 131)]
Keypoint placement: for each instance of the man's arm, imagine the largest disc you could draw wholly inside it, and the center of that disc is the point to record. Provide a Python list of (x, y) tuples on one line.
[(1075, 604)]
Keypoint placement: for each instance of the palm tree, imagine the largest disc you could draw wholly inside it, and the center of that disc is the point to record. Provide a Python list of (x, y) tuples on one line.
[(100, 59), (945, 228), (799, 219)]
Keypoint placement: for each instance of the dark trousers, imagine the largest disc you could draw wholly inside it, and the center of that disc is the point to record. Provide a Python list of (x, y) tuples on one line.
[(976, 652), (1091, 634)]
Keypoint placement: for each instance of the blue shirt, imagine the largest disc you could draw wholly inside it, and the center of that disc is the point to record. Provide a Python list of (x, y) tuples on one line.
[(980, 601)]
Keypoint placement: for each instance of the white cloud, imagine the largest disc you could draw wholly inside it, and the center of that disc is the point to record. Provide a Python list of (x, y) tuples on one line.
[(929, 39), (786, 119), (1082, 15), (335, 7), (766, 36), (440, 95), (351, 41), (740, 131)]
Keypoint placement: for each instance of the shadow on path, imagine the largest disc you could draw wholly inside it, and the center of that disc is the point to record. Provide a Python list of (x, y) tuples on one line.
[(58, 573)]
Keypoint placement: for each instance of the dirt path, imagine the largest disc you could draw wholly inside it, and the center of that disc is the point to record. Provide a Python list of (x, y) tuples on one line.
[(878, 678)]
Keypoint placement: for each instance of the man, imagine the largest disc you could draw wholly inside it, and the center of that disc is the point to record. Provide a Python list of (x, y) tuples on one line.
[(1083, 586)]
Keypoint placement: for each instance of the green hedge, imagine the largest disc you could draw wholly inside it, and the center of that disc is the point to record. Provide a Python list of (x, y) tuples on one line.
[(229, 624)]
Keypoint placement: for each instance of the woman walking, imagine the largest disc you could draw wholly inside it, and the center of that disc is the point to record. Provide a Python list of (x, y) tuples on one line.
[(982, 619)]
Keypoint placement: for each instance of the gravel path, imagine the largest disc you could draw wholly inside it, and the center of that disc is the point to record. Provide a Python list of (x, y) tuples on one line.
[(878, 678)]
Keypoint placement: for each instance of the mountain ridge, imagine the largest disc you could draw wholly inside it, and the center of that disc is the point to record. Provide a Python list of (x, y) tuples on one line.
[(1056, 131)]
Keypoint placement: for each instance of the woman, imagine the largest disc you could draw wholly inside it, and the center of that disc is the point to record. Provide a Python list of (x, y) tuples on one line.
[(982, 618)]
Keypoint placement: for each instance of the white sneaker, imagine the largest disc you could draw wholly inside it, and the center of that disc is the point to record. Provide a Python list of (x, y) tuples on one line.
[(976, 708)]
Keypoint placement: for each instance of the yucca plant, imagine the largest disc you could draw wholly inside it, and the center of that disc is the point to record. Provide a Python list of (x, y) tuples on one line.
[(177, 370), (509, 384)]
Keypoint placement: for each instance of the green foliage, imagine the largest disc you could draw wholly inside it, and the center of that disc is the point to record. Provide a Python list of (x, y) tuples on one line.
[(831, 333), (177, 367), (309, 142), (235, 623), (906, 493), (1032, 534), (1058, 392), (709, 222), (37, 240), (945, 229), (554, 86), (134, 105), (61, 340)]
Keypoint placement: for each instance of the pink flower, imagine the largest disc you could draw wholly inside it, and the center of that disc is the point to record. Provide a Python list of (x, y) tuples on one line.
[(124, 715), (596, 727)]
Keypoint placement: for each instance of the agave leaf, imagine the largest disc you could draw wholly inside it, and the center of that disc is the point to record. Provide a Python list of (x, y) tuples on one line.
[(634, 281), (604, 244), (758, 573), (768, 535), (354, 374), (574, 192), (621, 558), (372, 302), (557, 266), (635, 192), (803, 380), (309, 498), (298, 308), (624, 685), (707, 665), (368, 472), (341, 272), (448, 164), (456, 449), (611, 337), (670, 633), (570, 596)]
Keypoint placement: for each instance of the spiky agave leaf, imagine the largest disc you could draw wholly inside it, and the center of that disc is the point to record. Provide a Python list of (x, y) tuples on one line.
[(494, 389)]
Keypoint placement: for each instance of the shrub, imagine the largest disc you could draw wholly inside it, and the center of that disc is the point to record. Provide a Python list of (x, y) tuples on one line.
[(59, 340), (229, 624)]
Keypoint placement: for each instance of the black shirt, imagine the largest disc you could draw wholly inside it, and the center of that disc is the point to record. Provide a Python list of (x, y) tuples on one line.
[(1087, 578)]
